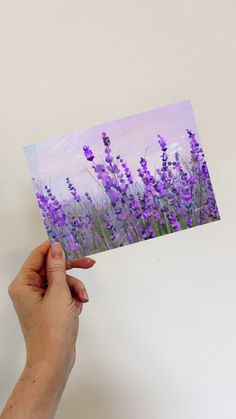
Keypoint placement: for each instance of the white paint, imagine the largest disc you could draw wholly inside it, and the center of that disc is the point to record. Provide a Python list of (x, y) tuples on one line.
[(158, 338)]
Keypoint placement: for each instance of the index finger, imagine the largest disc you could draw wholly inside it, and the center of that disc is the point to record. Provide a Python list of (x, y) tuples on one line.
[(83, 262)]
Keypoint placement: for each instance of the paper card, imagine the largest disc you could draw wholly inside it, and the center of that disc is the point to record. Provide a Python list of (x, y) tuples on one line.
[(123, 181)]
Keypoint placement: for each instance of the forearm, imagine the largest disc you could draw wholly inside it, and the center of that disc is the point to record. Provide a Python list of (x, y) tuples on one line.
[(37, 392)]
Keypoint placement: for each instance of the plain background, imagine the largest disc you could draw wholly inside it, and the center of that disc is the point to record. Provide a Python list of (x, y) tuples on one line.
[(158, 338)]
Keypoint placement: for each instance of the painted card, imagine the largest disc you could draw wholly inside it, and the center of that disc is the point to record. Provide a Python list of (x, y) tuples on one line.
[(123, 181)]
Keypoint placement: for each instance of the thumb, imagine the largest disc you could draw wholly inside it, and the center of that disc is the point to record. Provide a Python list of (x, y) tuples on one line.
[(56, 266)]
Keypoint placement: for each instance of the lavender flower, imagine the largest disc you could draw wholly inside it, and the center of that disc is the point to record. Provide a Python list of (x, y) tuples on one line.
[(88, 153), (106, 139), (73, 190), (174, 222)]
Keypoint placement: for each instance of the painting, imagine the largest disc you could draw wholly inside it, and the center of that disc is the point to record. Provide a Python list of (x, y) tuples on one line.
[(125, 181)]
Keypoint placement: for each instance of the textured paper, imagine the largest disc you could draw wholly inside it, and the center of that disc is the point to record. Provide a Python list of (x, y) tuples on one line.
[(123, 181)]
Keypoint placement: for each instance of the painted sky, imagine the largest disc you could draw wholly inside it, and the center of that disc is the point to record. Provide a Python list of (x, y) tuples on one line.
[(51, 161)]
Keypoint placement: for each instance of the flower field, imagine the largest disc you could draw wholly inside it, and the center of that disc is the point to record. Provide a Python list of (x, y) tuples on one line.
[(132, 206)]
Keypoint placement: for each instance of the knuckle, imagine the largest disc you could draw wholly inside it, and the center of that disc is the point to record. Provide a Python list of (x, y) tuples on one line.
[(56, 269), (12, 289)]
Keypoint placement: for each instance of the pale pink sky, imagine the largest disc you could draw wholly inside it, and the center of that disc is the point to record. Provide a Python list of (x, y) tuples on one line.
[(52, 161)]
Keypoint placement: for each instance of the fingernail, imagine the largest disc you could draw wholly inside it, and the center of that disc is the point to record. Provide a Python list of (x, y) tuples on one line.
[(85, 295), (93, 261), (56, 250)]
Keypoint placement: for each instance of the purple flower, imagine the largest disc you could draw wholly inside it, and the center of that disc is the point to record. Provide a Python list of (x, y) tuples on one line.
[(73, 190), (99, 168), (72, 243), (88, 153), (106, 139), (114, 195), (89, 198), (192, 180), (106, 180), (164, 155), (189, 221), (174, 222), (190, 134), (128, 173), (195, 146), (109, 158), (162, 142), (204, 169), (107, 150), (113, 168)]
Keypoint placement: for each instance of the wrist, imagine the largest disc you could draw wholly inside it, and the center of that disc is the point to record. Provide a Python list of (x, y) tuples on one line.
[(53, 362), (47, 371)]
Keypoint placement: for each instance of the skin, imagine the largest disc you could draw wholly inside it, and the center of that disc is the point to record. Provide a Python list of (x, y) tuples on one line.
[(48, 303)]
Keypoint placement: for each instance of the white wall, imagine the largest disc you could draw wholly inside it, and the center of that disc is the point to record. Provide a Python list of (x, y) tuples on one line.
[(158, 338)]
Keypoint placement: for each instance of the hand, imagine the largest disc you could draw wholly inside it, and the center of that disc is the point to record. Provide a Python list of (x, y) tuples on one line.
[(48, 303)]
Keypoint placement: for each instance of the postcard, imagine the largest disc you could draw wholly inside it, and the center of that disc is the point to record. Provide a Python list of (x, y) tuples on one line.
[(124, 181)]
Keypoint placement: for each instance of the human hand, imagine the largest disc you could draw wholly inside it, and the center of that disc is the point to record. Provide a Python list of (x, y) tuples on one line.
[(48, 303)]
